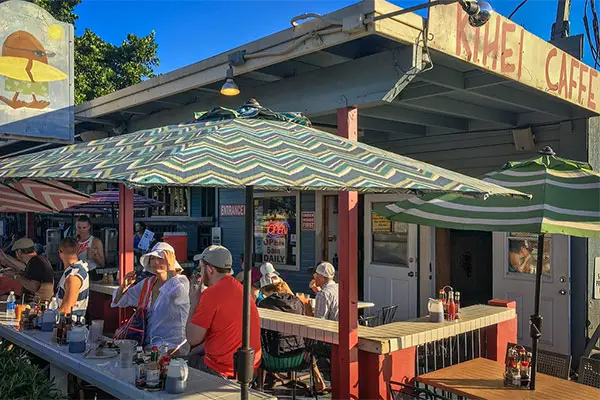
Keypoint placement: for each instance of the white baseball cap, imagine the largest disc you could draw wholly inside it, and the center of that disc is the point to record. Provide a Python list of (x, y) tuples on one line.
[(325, 269), (269, 279), (158, 251), (268, 268)]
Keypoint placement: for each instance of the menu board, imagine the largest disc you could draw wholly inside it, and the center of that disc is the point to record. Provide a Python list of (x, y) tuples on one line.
[(380, 224)]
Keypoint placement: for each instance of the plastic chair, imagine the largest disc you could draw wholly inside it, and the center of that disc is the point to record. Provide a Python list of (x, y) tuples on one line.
[(291, 364), (550, 363), (589, 372)]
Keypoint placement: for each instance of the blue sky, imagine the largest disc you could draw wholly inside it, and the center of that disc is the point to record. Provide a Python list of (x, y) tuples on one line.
[(188, 31)]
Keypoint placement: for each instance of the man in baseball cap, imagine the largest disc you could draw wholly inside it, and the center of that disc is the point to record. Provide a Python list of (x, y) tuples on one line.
[(326, 288), (216, 319), (34, 272)]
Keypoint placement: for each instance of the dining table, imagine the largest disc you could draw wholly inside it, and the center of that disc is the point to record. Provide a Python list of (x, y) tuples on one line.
[(481, 378)]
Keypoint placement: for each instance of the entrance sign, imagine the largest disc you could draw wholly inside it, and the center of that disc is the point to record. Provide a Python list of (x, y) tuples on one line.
[(507, 49), (233, 210), (36, 74)]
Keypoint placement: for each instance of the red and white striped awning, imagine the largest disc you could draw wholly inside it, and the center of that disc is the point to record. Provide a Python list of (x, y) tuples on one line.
[(39, 197)]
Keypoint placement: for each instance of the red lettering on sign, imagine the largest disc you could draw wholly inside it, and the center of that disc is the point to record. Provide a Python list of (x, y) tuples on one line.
[(551, 54), (562, 80), (461, 35), (521, 54), (505, 66), (491, 47), (277, 229), (572, 82), (590, 102), (582, 88)]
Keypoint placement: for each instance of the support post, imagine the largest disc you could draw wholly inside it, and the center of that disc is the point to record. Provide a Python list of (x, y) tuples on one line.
[(560, 27), (30, 226), (499, 335), (347, 355), (125, 237)]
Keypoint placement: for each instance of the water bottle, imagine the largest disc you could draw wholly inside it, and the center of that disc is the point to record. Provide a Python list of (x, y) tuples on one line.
[(11, 303), (53, 304)]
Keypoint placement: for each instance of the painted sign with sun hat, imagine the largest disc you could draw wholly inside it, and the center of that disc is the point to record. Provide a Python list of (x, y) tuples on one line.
[(36, 74)]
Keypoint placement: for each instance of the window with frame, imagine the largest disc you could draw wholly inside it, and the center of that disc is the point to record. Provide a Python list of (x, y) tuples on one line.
[(523, 253), (275, 227), (176, 201), (389, 240)]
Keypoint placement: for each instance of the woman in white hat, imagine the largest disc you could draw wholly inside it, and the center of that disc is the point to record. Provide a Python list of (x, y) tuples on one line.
[(169, 303)]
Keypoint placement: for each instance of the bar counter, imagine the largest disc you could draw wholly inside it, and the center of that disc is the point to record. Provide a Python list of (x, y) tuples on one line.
[(102, 373)]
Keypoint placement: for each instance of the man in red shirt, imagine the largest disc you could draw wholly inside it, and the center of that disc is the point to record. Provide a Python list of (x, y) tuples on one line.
[(217, 319)]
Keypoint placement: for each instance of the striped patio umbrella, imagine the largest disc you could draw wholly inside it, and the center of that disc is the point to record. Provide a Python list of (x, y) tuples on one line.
[(566, 201), (251, 148), (30, 195), (248, 147)]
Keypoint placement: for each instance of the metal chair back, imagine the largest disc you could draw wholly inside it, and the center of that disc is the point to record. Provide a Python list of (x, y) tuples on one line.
[(589, 372), (388, 314)]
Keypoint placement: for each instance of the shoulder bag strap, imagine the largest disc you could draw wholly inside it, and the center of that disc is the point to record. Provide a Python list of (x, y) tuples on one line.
[(148, 292), (141, 303)]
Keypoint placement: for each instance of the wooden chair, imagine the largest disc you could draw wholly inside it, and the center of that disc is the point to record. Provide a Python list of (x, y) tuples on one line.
[(550, 363), (589, 372)]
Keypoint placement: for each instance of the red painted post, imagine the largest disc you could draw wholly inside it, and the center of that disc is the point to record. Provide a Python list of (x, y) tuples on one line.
[(125, 237), (30, 225), (500, 334), (377, 371), (346, 362)]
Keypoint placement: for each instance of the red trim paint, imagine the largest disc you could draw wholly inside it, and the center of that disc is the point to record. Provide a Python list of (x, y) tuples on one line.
[(346, 371), (125, 237)]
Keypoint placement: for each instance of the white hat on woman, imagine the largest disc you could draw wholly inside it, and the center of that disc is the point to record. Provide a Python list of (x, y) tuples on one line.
[(268, 268), (158, 251)]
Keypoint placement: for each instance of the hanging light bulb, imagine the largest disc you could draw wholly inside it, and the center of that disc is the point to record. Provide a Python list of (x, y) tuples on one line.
[(229, 88)]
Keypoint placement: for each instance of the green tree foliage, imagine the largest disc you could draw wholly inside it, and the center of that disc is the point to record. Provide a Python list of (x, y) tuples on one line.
[(101, 67)]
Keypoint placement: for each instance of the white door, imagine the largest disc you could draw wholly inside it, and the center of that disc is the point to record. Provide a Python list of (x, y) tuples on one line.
[(390, 273), (514, 279), (331, 222)]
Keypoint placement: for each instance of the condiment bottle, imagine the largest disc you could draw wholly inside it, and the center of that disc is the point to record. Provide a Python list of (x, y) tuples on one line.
[(153, 370), (442, 297), (451, 306), (140, 367), (60, 329)]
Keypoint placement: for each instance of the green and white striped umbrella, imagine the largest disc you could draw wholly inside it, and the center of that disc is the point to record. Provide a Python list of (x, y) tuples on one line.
[(566, 200)]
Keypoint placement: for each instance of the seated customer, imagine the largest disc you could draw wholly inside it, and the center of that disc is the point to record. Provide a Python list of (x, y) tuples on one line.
[(278, 298), (217, 319), (37, 277), (327, 292), (73, 288), (169, 304)]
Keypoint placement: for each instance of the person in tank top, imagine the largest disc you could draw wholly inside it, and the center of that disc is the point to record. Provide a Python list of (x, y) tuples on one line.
[(90, 248)]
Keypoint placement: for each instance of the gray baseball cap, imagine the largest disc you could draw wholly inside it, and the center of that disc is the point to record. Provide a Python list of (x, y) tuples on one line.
[(217, 256)]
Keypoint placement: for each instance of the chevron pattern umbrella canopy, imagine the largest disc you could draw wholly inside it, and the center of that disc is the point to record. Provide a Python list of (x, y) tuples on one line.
[(38, 196), (251, 146), (566, 200)]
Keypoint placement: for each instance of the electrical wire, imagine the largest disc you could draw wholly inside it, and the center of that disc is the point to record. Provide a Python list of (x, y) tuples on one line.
[(593, 42), (517, 9)]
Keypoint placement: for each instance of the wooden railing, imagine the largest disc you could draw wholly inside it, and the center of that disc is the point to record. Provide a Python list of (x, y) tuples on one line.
[(402, 350)]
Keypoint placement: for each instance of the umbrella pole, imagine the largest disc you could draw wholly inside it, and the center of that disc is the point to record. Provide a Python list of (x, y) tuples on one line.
[(244, 357), (535, 320)]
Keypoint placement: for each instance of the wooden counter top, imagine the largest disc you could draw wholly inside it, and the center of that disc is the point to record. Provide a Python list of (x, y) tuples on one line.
[(105, 288), (391, 337)]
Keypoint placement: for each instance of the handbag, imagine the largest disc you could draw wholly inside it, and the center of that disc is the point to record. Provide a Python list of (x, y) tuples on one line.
[(135, 327)]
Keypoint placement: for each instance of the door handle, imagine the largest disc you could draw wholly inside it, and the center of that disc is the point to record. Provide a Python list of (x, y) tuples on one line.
[(411, 274), (562, 292)]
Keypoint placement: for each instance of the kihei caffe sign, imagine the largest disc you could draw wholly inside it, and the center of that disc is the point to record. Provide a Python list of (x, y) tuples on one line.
[(507, 49)]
